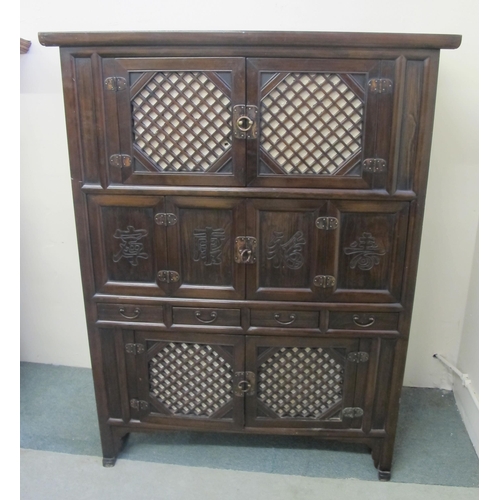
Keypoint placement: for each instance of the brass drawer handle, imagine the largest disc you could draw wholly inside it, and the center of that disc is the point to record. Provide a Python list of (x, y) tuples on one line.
[(292, 318), (244, 385), (356, 319), (213, 316), (137, 312), (240, 123)]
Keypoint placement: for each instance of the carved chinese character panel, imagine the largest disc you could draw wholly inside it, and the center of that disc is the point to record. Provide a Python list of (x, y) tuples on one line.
[(291, 250), (372, 246), (189, 378), (202, 246), (302, 382), (173, 119), (317, 123), (128, 246)]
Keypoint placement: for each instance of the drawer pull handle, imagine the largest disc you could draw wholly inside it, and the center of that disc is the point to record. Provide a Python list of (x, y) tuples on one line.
[(136, 314), (244, 123), (244, 386), (356, 319), (213, 317), (292, 318)]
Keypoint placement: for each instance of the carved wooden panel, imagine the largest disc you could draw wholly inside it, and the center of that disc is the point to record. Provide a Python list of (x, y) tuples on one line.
[(128, 246), (174, 119), (291, 250), (317, 122), (190, 377), (201, 247), (300, 382)]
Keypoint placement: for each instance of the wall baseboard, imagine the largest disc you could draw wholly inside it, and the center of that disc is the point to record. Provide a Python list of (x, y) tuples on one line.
[(468, 411)]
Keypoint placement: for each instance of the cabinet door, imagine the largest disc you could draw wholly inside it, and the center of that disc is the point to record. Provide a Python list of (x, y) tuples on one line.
[(128, 247), (318, 121), (187, 379), (201, 247), (291, 250), (298, 382), (172, 118), (372, 246)]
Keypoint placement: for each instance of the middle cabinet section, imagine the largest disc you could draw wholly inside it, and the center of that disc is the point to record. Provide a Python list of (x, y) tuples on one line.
[(261, 249)]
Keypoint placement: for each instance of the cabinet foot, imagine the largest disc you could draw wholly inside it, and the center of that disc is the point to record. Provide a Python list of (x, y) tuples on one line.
[(384, 475), (109, 462)]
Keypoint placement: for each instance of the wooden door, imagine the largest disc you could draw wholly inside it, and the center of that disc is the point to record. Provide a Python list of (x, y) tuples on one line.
[(187, 379), (301, 382), (128, 247), (201, 247), (172, 119), (319, 121), (291, 250)]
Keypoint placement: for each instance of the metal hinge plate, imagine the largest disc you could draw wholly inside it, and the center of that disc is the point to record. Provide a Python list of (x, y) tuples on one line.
[(245, 123), (168, 276), (134, 348), (327, 223), (139, 404), (115, 83), (120, 160), (380, 85), (324, 281), (355, 412), (358, 357), (244, 383), (374, 165), (166, 219)]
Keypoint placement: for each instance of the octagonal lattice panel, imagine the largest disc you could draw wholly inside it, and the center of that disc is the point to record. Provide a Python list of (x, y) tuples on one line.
[(190, 379), (311, 123), (182, 122)]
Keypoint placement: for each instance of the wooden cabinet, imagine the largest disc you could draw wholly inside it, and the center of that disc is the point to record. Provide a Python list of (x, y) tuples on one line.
[(249, 209)]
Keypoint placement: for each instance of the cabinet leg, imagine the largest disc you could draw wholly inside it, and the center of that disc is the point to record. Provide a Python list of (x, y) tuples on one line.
[(112, 441), (385, 459)]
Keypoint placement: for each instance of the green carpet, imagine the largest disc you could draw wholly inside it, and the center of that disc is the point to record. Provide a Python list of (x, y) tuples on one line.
[(432, 446)]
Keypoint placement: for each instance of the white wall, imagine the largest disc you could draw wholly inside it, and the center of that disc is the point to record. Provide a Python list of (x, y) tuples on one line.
[(52, 325)]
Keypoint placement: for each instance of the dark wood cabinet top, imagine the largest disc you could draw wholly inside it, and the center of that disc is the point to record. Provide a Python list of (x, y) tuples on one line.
[(252, 38)]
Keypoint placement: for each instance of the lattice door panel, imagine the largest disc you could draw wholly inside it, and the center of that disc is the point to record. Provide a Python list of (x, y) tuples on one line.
[(312, 123), (192, 376), (300, 382)]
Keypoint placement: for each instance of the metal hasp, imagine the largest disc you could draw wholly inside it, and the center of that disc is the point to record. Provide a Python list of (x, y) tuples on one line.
[(358, 357), (245, 124), (134, 348), (244, 383), (327, 223), (138, 404), (374, 165), (323, 281), (120, 161), (166, 219), (115, 83), (380, 85), (355, 412), (245, 249), (168, 276)]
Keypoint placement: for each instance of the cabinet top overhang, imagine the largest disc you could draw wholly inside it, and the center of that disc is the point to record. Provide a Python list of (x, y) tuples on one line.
[(251, 38)]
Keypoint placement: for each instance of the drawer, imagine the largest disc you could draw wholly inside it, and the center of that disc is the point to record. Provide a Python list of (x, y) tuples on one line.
[(362, 321), (205, 316), (273, 318), (130, 312)]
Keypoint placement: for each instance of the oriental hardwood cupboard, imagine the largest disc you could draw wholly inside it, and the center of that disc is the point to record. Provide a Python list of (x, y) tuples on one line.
[(249, 209)]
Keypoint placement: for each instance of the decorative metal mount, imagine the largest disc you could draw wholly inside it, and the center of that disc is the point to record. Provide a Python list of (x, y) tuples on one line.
[(135, 348), (166, 219), (138, 404), (358, 357), (245, 248), (380, 85), (355, 412), (115, 83), (120, 161), (327, 223), (324, 281), (245, 123), (168, 276), (244, 383), (374, 165)]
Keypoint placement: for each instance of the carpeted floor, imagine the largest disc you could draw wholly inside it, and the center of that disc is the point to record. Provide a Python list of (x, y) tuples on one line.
[(432, 447)]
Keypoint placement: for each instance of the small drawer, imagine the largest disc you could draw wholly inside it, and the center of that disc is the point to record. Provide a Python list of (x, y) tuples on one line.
[(205, 316), (130, 312), (284, 319), (362, 321)]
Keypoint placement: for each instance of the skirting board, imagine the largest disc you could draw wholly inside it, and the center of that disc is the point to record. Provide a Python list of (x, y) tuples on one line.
[(468, 411)]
